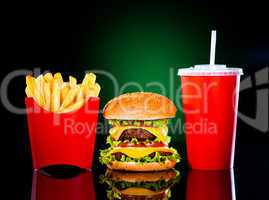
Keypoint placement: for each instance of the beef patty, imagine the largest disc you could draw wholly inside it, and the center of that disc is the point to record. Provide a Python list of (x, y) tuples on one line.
[(138, 133)]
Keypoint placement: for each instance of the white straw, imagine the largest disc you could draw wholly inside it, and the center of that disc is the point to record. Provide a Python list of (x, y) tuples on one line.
[(213, 47)]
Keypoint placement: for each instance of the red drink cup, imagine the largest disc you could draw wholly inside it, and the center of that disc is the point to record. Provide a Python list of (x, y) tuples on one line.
[(79, 187), (62, 138), (204, 185), (210, 100)]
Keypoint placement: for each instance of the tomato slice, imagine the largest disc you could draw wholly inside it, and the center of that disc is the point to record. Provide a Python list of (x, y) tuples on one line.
[(149, 144)]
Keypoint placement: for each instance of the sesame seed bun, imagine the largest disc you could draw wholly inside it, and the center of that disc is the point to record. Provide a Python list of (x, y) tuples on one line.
[(140, 106), (132, 177)]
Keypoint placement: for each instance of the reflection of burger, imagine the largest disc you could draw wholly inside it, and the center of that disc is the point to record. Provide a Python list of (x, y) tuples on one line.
[(138, 137), (140, 185)]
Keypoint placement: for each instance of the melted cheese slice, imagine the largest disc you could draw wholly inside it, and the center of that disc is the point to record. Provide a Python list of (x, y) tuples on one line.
[(139, 152), (160, 132)]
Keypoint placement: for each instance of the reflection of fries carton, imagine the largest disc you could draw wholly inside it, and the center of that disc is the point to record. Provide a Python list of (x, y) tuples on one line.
[(62, 138), (80, 186)]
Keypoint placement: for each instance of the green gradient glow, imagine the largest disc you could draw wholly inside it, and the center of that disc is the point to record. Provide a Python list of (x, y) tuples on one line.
[(145, 46)]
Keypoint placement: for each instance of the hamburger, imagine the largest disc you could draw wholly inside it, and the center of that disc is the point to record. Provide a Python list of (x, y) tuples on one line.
[(139, 185), (138, 136)]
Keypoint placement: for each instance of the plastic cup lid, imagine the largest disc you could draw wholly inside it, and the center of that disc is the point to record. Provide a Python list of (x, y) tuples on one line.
[(209, 70)]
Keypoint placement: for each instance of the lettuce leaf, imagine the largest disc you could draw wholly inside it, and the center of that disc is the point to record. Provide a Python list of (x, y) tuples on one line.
[(112, 195), (111, 142)]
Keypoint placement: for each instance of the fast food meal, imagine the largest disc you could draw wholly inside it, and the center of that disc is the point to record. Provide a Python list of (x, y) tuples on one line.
[(53, 94), (140, 185), (138, 137)]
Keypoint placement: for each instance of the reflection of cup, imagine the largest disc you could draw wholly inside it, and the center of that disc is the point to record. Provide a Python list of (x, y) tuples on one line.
[(79, 187), (65, 138), (210, 98), (204, 185)]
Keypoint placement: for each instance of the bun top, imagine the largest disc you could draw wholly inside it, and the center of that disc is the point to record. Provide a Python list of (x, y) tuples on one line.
[(140, 106), (141, 176)]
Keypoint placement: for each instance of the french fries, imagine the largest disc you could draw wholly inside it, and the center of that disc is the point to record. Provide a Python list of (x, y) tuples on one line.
[(89, 79), (47, 96), (70, 97), (56, 98), (39, 92), (48, 77), (72, 81), (54, 95), (64, 91)]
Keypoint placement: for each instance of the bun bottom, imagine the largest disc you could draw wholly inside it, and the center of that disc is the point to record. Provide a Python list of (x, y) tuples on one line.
[(141, 167)]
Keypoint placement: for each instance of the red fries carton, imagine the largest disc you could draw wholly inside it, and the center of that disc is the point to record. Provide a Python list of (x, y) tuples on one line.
[(62, 138)]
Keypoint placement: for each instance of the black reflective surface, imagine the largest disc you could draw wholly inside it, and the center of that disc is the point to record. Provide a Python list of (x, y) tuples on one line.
[(74, 184), (248, 180), (83, 185), (56, 185)]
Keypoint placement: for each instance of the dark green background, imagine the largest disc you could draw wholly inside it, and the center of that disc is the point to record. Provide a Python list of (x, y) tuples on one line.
[(147, 44)]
